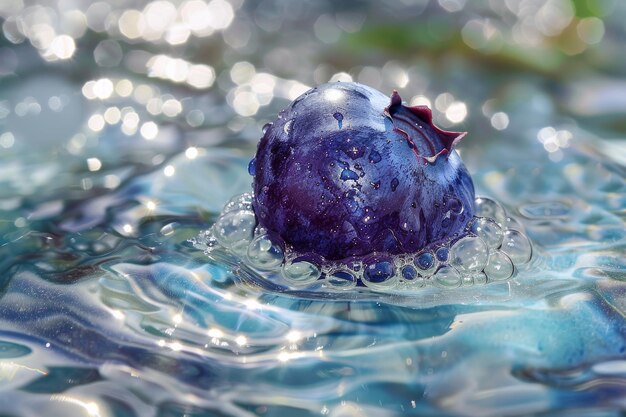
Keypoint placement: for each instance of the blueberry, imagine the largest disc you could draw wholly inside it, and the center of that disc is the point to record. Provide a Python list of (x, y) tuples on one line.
[(345, 171)]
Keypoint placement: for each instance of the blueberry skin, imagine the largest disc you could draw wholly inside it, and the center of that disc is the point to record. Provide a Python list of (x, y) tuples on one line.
[(346, 171)]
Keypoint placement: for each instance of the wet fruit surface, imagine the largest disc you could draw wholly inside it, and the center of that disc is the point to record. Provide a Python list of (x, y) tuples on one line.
[(346, 171)]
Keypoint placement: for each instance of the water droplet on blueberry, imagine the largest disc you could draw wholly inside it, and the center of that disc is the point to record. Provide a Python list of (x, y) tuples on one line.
[(339, 117), (307, 214), (374, 157), (394, 184), (252, 167), (348, 174)]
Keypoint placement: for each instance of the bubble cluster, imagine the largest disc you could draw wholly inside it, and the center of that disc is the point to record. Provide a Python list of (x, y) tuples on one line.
[(491, 249)]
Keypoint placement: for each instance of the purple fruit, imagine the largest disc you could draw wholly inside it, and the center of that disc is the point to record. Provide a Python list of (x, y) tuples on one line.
[(346, 172)]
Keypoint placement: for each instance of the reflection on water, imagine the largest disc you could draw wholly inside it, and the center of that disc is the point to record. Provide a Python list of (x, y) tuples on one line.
[(124, 128)]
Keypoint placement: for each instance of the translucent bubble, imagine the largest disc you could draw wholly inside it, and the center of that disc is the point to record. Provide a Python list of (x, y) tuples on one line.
[(264, 254), (239, 202), (517, 246), (469, 254), (379, 275), (426, 263), (378, 272), (408, 285), (411, 277), (408, 273), (488, 230), (210, 244), (499, 267), (513, 223), (301, 273), (233, 227), (486, 207), (260, 230), (418, 282), (355, 266), (442, 254), (340, 279), (240, 248), (447, 277), (205, 241), (480, 278)]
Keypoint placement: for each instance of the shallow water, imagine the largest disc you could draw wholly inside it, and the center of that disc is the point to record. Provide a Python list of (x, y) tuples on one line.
[(107, 310)]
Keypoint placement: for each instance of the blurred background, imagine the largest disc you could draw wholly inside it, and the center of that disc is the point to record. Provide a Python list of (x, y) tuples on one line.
[(92, 93), (149, 71)]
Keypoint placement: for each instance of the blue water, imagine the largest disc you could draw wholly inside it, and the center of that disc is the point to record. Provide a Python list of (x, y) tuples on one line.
[(106, 309)]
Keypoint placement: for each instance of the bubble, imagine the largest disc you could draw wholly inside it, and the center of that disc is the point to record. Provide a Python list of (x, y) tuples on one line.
[(401, 285), (380, 274), (240, 248), (442, 254), (488, 252), (426, 263), (469, 254), (447, 277), (486, 207), (301, 273), (488, 230), (455, 206), (411, 278), (409, 273), (355, 266), (341, 280), (517, 246), (264, 254), (499, 267), (260, 230), (513, 223), (418, 282), (234, 226), (479, 278), (205, 241), (287, 126), (467, 280), (239, 202)]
